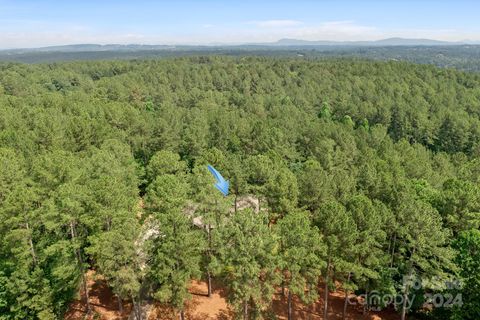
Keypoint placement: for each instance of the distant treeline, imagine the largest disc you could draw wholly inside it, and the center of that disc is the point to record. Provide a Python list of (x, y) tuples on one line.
[(462, 57)]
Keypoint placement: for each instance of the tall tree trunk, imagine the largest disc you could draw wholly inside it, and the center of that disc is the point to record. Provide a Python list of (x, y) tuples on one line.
[(283, 288), (137, 309), (389, 244), (345, 303), (120, 305), (182, 315), (404, 304), (407, 288), (393, 249), (311, 307), (209, 284), (80, 263), (236, 205), (108, 223), (290, 304), (30, 242), (245, 310), (366, 302), (217, 214), (209, 275), (85, 286), (334, 275), (325, 294)]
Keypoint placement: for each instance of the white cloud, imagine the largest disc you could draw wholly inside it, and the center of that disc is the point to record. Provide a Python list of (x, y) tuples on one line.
[(41, 39), (276, 23), (336, 30), (250, 32)]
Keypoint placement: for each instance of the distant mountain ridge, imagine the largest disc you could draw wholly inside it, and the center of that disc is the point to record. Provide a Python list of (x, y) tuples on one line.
[(280, 43), (382, 42), (88, 47)]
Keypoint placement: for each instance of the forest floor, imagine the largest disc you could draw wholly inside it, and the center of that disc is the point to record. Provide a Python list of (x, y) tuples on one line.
[(200, 307)]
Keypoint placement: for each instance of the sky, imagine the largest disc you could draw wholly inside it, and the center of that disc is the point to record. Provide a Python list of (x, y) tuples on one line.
[(26, 24)]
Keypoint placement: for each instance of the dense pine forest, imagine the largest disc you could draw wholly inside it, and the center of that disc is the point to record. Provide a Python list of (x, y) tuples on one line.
[(464, 57), (365, 175)]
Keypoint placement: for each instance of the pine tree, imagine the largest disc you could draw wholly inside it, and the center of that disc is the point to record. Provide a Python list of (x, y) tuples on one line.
[(175, 253), (366, 256), (211, 208), (175, 257), (116, 256), (468, 260), (247, 261), (282, 192), (459, 205), (339, 233), (164, 162), (423, 240), (302, 254)]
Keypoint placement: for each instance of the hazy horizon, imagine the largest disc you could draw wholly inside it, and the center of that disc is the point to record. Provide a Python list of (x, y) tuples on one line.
[(33, 24)]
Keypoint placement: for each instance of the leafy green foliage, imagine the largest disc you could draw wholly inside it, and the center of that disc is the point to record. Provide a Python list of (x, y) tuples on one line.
[(468, 260), (302, 254), (175, 258), (247, 259)]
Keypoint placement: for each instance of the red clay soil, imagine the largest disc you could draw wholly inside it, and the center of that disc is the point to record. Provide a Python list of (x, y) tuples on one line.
[(200, 307), (335, 309), (103, 302)]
